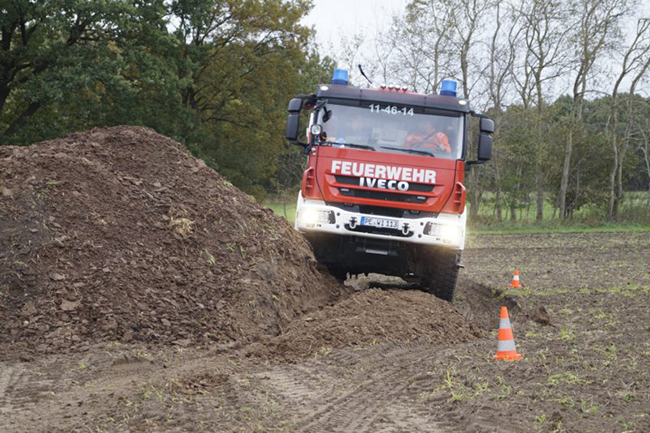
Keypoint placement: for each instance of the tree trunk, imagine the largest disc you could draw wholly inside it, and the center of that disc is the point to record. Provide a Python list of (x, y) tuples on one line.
[(619, 182), (539, 155), (612, 208), (625, 144), (565, 173), (474, 197), (4, 94), (497, 205), (539, 179), (26, 115), (647, 167), (539, 183)]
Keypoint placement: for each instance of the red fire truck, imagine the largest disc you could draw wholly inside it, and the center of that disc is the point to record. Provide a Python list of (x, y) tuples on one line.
[(383, 190)]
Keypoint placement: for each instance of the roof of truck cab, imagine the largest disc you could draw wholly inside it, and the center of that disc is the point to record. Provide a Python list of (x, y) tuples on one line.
[(339, 91)]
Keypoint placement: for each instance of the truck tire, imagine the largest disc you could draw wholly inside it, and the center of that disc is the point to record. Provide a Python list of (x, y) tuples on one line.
[(440, 280)]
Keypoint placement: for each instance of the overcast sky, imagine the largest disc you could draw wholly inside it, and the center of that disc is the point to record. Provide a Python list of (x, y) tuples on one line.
[(336, 18)]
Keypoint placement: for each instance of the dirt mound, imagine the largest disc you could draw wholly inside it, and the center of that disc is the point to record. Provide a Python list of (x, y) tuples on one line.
[(371, 317), (120, 234), (388, 310)]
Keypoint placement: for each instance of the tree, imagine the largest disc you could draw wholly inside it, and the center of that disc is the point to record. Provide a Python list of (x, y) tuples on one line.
[(515, 134), (245, 60), (502, 58), (596, 29), (544, 30), (424, 44), (644, 148), (636, 61), (51, 50)]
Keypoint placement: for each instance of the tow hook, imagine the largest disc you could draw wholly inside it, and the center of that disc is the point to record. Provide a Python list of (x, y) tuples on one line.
[(353, 223), (405, 229)]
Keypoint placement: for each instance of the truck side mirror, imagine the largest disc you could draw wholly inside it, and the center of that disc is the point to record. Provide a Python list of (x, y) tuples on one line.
[(293, 122), (485, 146), (487, 125)]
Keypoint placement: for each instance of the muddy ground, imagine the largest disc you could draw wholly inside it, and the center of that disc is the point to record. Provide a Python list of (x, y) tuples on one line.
[(364, 363)]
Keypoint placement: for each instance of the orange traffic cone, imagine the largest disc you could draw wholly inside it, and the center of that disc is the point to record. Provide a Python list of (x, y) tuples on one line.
[(506, 349), (515, 280)]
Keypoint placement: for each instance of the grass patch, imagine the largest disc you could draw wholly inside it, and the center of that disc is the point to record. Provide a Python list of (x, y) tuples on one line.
[(285, 210), (556, 227)]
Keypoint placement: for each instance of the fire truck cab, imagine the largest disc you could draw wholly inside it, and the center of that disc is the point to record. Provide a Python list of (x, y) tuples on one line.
[(383, 189)]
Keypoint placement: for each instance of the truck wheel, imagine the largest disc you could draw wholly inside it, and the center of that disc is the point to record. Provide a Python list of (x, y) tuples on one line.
[(443, 273)]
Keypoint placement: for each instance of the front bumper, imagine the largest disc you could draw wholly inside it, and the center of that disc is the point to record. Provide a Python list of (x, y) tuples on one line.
[(314, 216)]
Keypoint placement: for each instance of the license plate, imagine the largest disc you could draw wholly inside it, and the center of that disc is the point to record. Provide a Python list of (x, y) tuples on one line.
[(379, 222)]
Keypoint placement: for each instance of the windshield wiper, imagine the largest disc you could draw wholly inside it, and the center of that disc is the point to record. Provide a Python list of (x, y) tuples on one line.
[(359, 146), (404, 149)]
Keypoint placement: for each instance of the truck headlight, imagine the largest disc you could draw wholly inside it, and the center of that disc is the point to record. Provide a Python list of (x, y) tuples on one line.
[(450, 234), (314, 216)]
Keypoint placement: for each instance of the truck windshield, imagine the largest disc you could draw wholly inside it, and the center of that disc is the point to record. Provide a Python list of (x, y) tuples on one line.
[(391, 128)]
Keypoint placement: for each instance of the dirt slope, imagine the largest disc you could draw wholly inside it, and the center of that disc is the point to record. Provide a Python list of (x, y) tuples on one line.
[(372, 316), (120, 234)]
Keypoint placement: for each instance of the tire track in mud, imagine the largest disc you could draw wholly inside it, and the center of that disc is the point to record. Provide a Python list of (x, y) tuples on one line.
[(20, 391), (6, 374), (357, 391), (40, 395)]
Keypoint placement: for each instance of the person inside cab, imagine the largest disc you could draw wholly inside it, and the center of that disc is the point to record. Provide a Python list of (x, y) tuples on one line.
[(429, 137)]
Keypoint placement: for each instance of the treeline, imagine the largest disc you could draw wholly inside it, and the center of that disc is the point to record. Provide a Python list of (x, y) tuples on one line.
[(213, 74), (566, 82)]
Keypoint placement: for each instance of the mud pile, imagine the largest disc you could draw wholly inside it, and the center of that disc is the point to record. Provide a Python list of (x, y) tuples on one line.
[(388, 310), (120, 234), (373, 316)]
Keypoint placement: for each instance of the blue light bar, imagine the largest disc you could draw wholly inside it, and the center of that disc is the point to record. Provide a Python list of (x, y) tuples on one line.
[(449, 88), (340, 76)]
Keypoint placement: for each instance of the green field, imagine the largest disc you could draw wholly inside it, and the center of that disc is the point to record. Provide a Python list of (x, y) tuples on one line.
[(286, 210), (635, 207)]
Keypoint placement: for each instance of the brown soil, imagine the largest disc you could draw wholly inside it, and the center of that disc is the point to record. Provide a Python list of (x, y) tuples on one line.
[(371, 317), (293, 351), (120, 234), (587, 371)]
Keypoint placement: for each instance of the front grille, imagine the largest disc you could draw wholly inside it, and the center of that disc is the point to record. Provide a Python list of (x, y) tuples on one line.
[(415, 187), (379, 231), (381, 195), (382, 210)]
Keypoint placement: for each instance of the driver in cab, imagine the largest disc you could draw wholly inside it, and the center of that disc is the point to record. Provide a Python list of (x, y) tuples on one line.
[(429, 138)]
